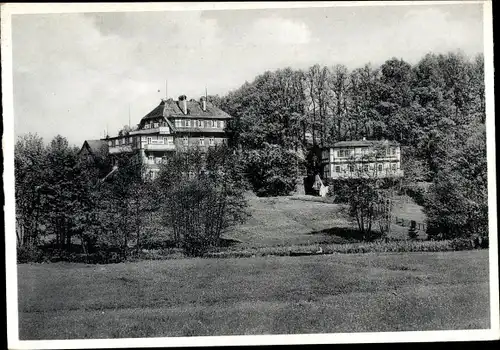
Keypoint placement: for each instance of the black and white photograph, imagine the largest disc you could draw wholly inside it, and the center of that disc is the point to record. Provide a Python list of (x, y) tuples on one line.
[(201, 174)]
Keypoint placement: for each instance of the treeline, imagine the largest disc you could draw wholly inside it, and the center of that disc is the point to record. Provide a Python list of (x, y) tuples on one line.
[(434, 108), (101, 209)]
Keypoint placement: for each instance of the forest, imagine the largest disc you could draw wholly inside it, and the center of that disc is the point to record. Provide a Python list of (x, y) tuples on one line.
[(435, 109)]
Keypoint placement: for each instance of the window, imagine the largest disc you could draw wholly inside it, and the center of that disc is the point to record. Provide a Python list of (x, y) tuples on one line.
[(150, 140), (213, 124), (165, 140), (170, 140), (185, 140), (393, 166), (151, 159), (365, 168), (219, 124), (155, 125), (222, 124), (380, 168), (188, 123), (211, 141), (341, 152), (177, 123), (110, 143), (327, 170), (164, 159), (351, 168), (202, 141), (200, 123), (337, 168), (393, 151), (130, 140)]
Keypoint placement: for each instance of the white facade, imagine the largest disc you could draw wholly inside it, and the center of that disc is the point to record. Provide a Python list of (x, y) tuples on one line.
[(362, 159)]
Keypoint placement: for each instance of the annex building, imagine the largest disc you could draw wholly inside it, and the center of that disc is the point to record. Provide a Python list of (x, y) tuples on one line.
[(362, 159)]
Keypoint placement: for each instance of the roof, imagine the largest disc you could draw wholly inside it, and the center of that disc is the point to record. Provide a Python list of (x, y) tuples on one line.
[(95, 146), (363, 143), (168, 108)]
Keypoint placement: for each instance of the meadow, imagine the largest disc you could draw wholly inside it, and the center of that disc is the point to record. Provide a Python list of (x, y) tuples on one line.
[(265, 295)]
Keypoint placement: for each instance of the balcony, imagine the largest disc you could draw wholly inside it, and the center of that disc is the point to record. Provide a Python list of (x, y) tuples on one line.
[(120, 149), (368, 175), (159, 146), (162, 130)]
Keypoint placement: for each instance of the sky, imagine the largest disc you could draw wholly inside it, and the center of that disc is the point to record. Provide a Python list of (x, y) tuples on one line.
[(79, 74)]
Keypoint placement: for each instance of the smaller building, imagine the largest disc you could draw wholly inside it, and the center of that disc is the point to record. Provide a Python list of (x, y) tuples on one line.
[(93, 149), (362, 159)]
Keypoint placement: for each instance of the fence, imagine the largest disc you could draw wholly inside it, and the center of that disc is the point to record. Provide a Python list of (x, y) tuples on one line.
[(419, 226)]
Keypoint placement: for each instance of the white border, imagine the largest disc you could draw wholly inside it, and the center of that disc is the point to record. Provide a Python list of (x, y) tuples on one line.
[(387, 337)]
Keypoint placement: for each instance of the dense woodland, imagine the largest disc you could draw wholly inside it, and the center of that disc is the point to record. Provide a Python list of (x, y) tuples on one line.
[(435, 109)]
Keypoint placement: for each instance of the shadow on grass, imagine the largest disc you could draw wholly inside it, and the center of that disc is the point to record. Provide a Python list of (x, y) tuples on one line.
[(348, 235)]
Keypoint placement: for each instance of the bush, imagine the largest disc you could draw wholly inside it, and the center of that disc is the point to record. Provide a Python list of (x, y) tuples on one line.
[(462, 244), (30, 253), (272, 170)]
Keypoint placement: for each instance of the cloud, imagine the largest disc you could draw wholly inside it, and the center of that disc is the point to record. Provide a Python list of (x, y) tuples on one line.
[(278, 31), (76, 74)]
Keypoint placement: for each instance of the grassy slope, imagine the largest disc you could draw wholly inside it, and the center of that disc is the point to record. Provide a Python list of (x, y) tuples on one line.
[(283, 221), (274, 295)]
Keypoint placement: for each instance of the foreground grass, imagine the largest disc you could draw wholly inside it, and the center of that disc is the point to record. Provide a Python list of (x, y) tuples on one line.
[(272, 295)]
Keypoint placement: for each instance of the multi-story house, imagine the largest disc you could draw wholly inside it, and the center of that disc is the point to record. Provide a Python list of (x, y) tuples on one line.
[(171, 126), (362, 159)]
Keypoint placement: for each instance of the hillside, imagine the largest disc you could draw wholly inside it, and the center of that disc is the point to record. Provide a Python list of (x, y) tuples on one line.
[(308, 220)]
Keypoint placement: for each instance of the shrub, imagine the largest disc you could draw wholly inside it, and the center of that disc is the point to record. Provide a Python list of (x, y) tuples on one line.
[(462, 244), (29, 253)]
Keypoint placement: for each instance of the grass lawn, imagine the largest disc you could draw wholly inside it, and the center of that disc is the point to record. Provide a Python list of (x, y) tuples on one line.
[(282, 221), (293, 220), (272, 295)]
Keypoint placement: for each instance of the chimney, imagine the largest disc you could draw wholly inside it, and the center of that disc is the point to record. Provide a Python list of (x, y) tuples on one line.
[(183, 103), (203, 102)]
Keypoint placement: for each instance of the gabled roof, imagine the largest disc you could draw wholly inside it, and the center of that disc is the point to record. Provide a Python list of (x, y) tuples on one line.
[(95, 146), (168, 108), (364, 143)]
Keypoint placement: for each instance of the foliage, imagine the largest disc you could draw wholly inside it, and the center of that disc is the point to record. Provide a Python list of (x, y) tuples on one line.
[(457, 205), (30, 164), (272, 170), (348, 248), (202, 196)]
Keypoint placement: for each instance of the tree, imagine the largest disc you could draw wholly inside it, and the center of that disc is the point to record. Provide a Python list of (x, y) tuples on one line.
[(368, 193), (29, 169), (457, 205), (272, 170), (202, 196)]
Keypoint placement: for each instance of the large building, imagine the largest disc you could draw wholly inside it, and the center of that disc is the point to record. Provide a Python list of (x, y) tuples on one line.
[(362, 159), (171, 126)]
